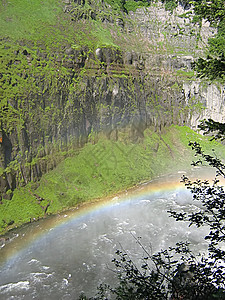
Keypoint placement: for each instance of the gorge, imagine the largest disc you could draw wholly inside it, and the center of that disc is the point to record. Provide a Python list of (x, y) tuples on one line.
[(86, 81), (62, 256), (99, 102)]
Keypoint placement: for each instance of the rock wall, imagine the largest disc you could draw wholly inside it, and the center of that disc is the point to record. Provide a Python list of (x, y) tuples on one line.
[(119, 97), (78, 94), (175, 44), (210, 99), (171, 33)]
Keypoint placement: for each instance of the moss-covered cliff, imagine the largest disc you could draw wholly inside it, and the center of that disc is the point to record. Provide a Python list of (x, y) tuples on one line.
[(79, 71), (64, 76)]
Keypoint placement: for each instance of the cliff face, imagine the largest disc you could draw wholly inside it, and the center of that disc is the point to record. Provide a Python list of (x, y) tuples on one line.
[(177, 43), (211, 97), (112, 98), (59, 101)]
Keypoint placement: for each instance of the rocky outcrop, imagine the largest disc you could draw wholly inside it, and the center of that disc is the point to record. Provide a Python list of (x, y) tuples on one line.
[(170, 32), (175, 44), (209, 100), (113, 94)]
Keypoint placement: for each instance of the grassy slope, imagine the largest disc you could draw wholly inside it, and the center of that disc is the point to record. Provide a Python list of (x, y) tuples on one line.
[(24, 20), (45, 22), (37, 23), (102, 169)]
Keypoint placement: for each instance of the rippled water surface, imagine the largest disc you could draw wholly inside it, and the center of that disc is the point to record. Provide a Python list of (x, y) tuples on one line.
[(60, 257)]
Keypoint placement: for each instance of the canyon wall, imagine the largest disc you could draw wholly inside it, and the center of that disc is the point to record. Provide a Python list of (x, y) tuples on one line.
[(107, 91)]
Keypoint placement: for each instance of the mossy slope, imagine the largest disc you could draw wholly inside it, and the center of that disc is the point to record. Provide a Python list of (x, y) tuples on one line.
[(103, 169)]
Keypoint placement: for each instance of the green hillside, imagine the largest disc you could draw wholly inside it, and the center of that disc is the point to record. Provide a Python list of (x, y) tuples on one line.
[(100, 170)]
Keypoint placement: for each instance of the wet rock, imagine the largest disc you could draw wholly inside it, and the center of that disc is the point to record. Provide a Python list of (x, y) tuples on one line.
[(120, 23), (11, 179), (128, 58), (99, 54), (69, 51), (2, 242), (4, 186)]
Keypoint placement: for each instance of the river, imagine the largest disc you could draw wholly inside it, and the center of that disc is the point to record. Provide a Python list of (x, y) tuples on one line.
[(61, 256)]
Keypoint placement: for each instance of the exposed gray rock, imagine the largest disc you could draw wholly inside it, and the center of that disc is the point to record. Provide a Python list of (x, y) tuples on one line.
[(208, 98)]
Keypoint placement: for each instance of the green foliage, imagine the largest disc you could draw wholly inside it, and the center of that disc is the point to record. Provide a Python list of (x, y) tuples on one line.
[(132, 5), (212, 11), (102, 169), (185, 75), (217, 44), (127, 5), (212, 127), (213, 67), (177, 273), (161, 276), (22, 19), (116, 4), (170, 4)]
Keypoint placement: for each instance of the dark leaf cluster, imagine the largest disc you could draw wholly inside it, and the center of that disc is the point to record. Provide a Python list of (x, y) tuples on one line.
[(211, 67), (213, 11), (211, 127)]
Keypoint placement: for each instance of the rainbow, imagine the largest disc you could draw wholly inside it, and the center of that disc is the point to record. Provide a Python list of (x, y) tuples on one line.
[(30, 233)]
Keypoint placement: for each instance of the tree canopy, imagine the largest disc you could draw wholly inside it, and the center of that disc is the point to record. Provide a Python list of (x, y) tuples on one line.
[(213, 66)]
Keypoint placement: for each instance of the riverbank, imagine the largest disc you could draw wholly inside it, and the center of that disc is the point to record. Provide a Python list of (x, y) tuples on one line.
[(17, 239), (100, 169)]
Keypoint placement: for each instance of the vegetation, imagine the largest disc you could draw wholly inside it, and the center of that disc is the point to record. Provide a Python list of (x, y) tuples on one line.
[(98, 170), (128, 5), (34, 40), (213, 66), (177, 273), (33, 35)]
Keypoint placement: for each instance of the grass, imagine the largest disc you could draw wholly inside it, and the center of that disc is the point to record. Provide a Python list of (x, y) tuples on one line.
[(132, 5), (188, 75), (21, 19), (103, 169), (45, 23)]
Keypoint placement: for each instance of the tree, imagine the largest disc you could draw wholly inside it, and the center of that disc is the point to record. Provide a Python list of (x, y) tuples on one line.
[(177, 273), (213, 11)]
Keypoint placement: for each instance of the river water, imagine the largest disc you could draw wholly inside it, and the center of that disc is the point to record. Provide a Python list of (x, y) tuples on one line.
[(64, 255)]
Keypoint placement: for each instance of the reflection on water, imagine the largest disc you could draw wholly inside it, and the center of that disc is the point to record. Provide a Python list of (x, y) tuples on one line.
[(62, 256)]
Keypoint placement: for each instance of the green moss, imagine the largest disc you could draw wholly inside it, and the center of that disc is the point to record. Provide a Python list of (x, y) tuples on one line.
[(188, 75), (170, 5), (176, 86), (21, 19), (22, 208), (1, 171), (102, 169), (131, 5), (128, 5)]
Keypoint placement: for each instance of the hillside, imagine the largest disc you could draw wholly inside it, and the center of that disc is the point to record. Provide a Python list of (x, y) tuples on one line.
[(75, 74)]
